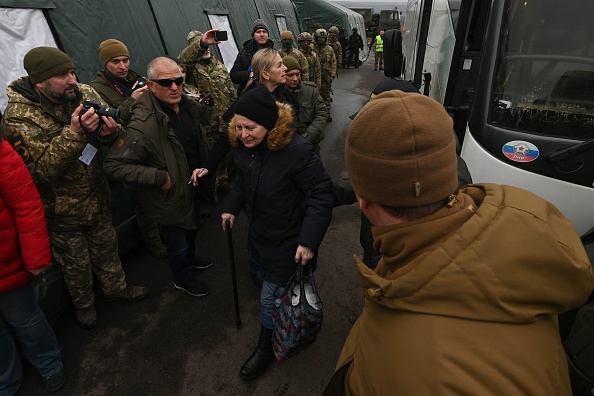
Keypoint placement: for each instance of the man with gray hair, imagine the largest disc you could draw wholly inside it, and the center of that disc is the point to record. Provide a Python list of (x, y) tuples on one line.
[(162, 144)]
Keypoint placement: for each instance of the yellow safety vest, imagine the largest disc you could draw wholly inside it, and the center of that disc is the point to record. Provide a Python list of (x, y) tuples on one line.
[(379, 44)]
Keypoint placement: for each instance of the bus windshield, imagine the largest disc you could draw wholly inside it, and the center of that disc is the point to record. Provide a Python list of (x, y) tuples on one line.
[(544, 80)]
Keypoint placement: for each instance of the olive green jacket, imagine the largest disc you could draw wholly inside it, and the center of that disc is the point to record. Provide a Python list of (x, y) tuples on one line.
[(148, 150), (312, 113), (122, 99), (73, 193)]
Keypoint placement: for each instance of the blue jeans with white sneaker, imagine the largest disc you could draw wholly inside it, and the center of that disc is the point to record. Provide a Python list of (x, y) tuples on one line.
[(19, 310)]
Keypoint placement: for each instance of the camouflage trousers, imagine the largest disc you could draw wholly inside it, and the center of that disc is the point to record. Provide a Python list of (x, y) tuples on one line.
[(84, 251), (326, 93), (379, 60)]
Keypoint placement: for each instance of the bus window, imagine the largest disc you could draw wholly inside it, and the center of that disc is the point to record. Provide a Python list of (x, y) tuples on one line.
[(545, 69)]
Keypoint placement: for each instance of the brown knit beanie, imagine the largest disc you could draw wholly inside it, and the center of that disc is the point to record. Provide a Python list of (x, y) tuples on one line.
[(287, 35), (291, 63), (111, 48), (400, 151), (42, 63)]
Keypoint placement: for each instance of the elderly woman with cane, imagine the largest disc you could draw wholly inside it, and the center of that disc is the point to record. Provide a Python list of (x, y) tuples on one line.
[(288, 198)]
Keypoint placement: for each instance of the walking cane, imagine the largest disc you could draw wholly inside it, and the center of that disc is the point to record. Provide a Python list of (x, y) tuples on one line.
[(233, 276)]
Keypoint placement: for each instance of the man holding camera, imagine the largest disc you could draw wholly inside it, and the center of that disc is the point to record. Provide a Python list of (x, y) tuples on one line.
[(117, 84), (61, 145), (120, 86)]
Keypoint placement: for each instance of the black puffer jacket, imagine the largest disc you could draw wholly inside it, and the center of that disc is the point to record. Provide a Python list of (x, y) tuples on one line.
[(240, 72), (285, 191)]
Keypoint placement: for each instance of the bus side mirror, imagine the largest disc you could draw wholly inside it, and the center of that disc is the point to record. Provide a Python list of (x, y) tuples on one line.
[(393, 57)]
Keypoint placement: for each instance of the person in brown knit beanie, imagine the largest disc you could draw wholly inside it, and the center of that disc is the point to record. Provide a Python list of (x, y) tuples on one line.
[(111, 48), (415, 163), (470, 283)]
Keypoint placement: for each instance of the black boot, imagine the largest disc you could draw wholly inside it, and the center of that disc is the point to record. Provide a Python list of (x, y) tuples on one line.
[(261, 358)]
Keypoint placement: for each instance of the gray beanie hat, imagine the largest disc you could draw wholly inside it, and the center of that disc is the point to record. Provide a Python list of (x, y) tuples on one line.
[(259, 24)]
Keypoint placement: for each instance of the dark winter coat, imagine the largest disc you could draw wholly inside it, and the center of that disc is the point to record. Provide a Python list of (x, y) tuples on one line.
[(285, 191), (147, 150), (116, 91), (24, 241), (240, 72)]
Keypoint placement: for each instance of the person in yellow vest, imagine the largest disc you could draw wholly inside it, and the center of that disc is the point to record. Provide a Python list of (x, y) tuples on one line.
[(379, 51)]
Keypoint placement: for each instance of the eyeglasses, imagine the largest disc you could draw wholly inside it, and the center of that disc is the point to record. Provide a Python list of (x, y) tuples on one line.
[(166, 82)]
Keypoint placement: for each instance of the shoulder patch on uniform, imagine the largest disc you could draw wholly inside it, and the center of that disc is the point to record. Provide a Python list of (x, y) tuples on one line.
[(120, 142), (20, 147)]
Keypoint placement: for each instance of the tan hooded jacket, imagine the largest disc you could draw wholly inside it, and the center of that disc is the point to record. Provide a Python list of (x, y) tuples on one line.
[(466, 301)]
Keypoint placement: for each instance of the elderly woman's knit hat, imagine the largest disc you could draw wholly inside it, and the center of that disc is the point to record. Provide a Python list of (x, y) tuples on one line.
[(400, 151), (258, 105), (42, 63)]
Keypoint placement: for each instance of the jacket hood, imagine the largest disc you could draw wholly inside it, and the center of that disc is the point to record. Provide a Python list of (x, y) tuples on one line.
[(277, 138), (22, 90), (498, 254)]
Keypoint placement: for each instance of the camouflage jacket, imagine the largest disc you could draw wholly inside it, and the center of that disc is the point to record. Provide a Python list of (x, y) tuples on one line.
[(337, 48), (210, 76), (312, 113), (315, 69), (73, 193), (301, 59), (327, 61), (148, 150), (116, 92)]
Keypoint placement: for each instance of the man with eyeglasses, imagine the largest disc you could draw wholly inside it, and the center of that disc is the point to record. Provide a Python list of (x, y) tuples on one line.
[(162, 144), (61, 146)]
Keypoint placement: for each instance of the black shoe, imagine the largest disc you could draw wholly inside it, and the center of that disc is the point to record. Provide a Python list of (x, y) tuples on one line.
[(256, 364), (356, 67), (55, 382), (205, 213), (201, 263), (193, 287)]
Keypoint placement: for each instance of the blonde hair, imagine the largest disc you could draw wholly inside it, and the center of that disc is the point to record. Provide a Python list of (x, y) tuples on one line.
[(262, 61)]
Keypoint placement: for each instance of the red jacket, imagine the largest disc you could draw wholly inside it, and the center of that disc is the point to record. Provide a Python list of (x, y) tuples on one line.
[(24, 242)]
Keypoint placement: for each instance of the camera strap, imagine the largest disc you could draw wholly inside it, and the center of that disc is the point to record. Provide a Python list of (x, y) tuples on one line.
[(114, 86)]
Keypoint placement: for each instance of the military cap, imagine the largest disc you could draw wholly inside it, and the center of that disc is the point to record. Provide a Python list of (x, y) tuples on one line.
[(42, 63)]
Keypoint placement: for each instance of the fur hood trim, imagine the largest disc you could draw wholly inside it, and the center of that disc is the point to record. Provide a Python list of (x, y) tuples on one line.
[(279, 137)]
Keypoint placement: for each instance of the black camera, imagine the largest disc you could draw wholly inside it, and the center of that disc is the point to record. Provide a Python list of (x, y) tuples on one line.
[(112, 112), (141, 83)]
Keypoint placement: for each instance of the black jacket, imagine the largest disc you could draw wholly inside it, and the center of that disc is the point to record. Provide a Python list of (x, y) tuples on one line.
[(240, 72), (287, 194)]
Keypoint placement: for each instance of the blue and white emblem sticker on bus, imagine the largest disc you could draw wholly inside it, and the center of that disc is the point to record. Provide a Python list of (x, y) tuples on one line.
[(520, 151)]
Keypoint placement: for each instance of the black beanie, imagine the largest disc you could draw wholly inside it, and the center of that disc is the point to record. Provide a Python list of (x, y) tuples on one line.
[(42, 63), (258, 105), (259, 24)]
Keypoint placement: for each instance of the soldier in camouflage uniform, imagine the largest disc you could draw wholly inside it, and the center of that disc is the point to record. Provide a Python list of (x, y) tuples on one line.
[(62, 150), (315, 69), (335, 44), (287, 40), (117, 84), (328, 63), (210, 76)]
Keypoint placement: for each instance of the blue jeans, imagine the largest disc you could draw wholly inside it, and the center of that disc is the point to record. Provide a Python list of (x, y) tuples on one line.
[(19, 309), (181, 246), (270, 291)]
